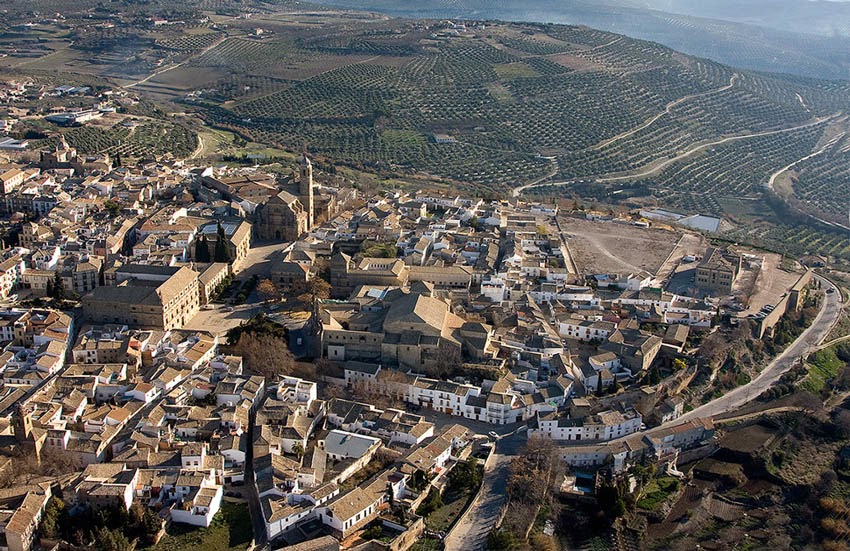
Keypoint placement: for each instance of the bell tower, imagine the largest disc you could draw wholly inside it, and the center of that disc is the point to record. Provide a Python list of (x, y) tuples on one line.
[(22, 422), (306, 189)]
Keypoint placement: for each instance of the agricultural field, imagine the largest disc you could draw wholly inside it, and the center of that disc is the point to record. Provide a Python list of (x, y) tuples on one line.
[(487, 109), (794, 240), (823, 182), (602, 104), (150, 139)]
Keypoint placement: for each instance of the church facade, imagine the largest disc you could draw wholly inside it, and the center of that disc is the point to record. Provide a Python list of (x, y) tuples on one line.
[(286, 217)]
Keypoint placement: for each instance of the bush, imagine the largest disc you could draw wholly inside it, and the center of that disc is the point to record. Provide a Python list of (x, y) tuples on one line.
[(433, 502), (501, 540), (372, 533)]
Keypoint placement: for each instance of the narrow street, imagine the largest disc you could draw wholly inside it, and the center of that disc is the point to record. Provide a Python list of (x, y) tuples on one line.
[(251, 487)]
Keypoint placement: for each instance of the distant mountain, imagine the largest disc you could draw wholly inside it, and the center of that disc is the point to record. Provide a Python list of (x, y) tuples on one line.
[(775, 43), (799, 16)]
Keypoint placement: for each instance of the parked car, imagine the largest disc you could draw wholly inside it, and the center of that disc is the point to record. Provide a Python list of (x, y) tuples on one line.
[(493, 434)]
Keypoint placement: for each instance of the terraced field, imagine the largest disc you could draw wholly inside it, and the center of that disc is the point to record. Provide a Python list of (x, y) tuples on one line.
[(823, 182)]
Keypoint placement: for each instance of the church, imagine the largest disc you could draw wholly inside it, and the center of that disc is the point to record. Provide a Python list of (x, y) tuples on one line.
[(286, 216)]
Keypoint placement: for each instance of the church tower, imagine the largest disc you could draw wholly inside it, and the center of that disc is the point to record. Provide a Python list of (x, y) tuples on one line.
[(22, 422), (306, 189)]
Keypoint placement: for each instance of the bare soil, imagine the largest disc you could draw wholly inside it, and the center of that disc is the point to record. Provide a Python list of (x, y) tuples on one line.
[(608, 247)]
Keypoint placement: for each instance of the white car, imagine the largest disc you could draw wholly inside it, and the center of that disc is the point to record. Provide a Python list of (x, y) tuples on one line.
[(493, 434)]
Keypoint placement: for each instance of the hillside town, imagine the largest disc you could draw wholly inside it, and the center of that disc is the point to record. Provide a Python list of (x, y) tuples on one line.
[(425, 331)]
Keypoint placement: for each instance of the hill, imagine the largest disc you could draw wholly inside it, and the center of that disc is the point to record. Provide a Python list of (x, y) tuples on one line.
[(498, 109), (787, 36)]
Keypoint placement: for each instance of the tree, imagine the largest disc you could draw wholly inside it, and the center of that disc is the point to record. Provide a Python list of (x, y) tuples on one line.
[(542, 542), (112, 540), (501, 540), (611, 500), (266, 355), (52, 520), (465, 475), (298, 450), (151, 524), (221, 253), (433, 502), (58, 286), (267, 291), (447, 361), (842, 423), (112, 207), (202, 250), (310, 291), (679, 364)]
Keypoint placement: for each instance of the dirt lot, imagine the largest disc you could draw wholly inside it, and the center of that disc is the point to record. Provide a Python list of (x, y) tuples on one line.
[(608, 247), (772, 282), (690, 244)]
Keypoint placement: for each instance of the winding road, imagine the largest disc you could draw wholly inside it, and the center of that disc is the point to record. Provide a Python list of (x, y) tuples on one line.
[(471, 532), (788, 167), (807, 342), (670, 106), (655, 167)]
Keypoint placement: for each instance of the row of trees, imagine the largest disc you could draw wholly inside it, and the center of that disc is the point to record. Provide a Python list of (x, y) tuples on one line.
[(220, 253)]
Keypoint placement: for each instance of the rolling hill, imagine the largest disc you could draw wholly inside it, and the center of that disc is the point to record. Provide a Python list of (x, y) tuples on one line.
[(739, 34)]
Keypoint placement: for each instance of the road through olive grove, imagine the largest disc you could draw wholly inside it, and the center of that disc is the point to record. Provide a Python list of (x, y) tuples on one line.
[(655, 168)]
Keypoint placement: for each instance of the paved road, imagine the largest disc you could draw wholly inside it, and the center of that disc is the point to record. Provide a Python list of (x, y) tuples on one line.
[(471, 533), (806, 343)]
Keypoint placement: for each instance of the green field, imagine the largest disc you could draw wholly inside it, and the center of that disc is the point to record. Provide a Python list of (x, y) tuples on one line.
[(230, 530)]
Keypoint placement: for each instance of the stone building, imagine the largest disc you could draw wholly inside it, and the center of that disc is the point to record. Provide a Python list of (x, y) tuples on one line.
[(717, 270), (347, 274), (146, 297), (285, 216)]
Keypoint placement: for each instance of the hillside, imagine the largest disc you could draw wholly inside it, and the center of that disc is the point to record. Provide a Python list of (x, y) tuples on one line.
[(514, 104), (785, 36), (497, 109)]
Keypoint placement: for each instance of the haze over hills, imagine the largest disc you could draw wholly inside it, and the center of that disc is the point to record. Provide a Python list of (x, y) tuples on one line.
[(750, 37), (828, 18)]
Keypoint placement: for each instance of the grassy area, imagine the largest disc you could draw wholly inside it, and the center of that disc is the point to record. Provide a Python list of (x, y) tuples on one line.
[(231, 529), (453, 505), (374, 249), (823, 366), (508, 71), (842, 328), (427, 544), (657, 491)]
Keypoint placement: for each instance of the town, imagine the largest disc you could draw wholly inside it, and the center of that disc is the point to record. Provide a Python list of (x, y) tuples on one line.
[(180, 339)]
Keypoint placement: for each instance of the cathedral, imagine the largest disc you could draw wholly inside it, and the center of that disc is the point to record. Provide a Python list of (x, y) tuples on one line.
[(286, 216)]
